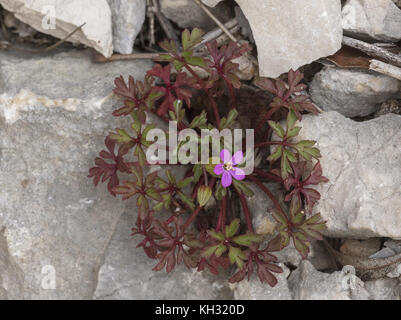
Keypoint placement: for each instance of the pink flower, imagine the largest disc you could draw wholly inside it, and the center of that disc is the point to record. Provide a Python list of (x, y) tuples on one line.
[(228, 169)]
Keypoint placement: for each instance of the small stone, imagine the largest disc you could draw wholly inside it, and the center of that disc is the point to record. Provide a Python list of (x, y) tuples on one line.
[(96, 14), (128, 17), (361, 248), (372, 19), (255, 290), (383, 253), (353, 93), (384, 289), (362, 162)]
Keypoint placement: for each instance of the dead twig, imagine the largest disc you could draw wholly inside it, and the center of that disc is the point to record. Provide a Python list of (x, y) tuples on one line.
[(217, 21), (165, 23), (58, 43), (121, 57), (385, 68), (373, 51)]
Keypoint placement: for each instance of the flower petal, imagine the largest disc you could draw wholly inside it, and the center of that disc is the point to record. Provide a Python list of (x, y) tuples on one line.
[(226, 180), (218, 169), (225, 155), (237, 157), (238, 174)]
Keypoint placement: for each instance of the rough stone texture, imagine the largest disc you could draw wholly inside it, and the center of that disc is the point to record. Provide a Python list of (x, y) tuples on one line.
[(96, 33), (363, 163), (187, 14), (352, 92), (372, 19), (306, 283), (384, 289), (283, 33), (128, 17), (261, 208), (255, 290), (52, 125), (127, 274)]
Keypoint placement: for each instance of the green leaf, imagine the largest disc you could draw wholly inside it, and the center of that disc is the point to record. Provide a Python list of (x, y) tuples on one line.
[(291, 119), (170, 177), (216, 235), (236, 256), (232, 229), (197, 170), (277, 128), (188, 201), (185, 182), (290, 156), (136, 125), (151, 192), (191, 39), (140, 154), (276, 155), (242, 187), (293, 132), (285, 167), (247, 239), (121, 136), (194, 60), (220, 193)]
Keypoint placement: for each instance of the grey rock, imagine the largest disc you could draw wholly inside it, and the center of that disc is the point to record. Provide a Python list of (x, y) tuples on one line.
[(283, 33), (361, 248), (127, 273), (128, 17), (262, 208), (353, 93), (67, 16), (187, 14), (362, 162), (383, 253), (306, 283), (372, 19), (255, 290), (52, 126), (384, 289)]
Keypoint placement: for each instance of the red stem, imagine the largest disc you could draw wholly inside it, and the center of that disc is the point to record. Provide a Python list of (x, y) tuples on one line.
[(266, 117), (269, 194), (247, 214), (222, 215), (196, 212), (201, 83), (268, 175)]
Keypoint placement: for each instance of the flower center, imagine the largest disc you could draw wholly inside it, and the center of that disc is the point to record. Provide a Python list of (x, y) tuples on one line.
[(228, 166)]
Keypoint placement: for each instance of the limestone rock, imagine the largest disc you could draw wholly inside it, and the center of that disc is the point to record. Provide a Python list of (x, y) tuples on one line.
[(362, 160), (283, 33), (352, 92), (128, 17), (372, 19), (67, 16), (54, 222)]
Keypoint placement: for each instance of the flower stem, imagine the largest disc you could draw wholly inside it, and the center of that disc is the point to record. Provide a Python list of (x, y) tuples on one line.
[(269, 194), (197, 210), (247, 213), (222, 215), (266, 117)]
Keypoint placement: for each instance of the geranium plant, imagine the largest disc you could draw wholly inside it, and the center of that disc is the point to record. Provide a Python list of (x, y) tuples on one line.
[(173, 90)]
